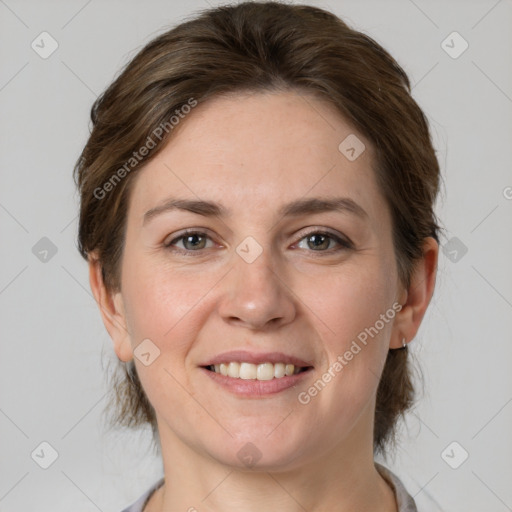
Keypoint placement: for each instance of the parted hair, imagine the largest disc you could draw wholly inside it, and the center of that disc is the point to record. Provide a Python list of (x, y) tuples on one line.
[(251, 47)]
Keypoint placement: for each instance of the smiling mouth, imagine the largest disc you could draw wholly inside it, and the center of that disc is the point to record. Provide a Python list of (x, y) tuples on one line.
[(263, 371)]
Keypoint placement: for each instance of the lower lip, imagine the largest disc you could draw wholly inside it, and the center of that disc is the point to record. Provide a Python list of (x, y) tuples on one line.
[(256, 388)]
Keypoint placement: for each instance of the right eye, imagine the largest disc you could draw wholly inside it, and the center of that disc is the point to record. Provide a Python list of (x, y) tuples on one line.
[(193, 241)]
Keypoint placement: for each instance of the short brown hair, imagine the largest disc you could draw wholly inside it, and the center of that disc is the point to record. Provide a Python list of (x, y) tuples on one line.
[(261, 46)]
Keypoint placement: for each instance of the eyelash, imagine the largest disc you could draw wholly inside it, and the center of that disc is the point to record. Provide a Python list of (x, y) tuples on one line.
[(345, 244)]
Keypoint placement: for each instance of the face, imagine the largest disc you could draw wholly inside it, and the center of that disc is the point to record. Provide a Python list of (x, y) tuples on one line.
[(309, 282)]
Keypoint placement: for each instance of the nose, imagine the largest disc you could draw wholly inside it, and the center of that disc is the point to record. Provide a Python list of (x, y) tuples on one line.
[(256, 295)]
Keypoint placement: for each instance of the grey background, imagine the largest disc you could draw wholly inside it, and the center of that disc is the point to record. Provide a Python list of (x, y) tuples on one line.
[(54, 346)]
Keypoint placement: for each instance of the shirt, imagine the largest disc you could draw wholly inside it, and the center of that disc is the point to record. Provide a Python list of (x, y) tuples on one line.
[(404, 500)]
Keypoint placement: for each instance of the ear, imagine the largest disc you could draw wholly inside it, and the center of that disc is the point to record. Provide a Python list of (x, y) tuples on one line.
[(416, 299), (112, 310)]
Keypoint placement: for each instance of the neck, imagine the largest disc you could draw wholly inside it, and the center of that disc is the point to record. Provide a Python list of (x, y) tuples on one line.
[(343, 479)]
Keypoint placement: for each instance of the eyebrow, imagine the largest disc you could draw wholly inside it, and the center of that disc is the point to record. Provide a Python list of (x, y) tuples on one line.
[(293, 209)]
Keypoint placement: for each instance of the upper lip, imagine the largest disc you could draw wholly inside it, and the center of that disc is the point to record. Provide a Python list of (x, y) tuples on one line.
[(256, 358)]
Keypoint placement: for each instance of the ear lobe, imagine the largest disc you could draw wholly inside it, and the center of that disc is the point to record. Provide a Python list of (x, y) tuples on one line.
[(418, 295), (111, 309)]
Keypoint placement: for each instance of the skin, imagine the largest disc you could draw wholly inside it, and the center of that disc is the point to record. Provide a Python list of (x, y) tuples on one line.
[(254, 153)]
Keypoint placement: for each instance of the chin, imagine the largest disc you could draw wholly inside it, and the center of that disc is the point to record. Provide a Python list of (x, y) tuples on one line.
[(260, 449)]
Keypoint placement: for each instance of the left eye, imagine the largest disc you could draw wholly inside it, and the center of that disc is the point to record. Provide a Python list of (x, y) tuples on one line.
[(321, 239)]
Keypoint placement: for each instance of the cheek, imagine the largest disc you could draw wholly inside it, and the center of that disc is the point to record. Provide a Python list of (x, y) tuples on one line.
[(355, 340), (163, 306), (158, 299), (348, 302)]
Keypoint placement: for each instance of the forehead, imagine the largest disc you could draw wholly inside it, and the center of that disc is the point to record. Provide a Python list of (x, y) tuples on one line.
[(257, 150)]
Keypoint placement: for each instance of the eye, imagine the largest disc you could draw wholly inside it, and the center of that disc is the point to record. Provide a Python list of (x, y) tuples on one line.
[(318, 241), (193, 241)]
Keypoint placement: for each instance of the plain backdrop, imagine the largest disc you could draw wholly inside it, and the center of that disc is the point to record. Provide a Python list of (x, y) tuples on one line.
[(54, 347)]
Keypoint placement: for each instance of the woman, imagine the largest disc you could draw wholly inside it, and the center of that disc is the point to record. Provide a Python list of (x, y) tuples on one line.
[(257, 212)]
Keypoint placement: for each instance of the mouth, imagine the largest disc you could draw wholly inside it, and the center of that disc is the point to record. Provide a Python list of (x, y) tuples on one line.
[(262, 372), (249, 374), (246, 364), (255, 383)]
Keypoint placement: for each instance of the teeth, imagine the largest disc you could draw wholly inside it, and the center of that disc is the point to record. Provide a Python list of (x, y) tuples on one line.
[(234, 370), (248, 371)]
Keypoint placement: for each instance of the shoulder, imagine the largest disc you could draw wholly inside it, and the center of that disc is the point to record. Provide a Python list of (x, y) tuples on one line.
[(138, 506), (404, 500)]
